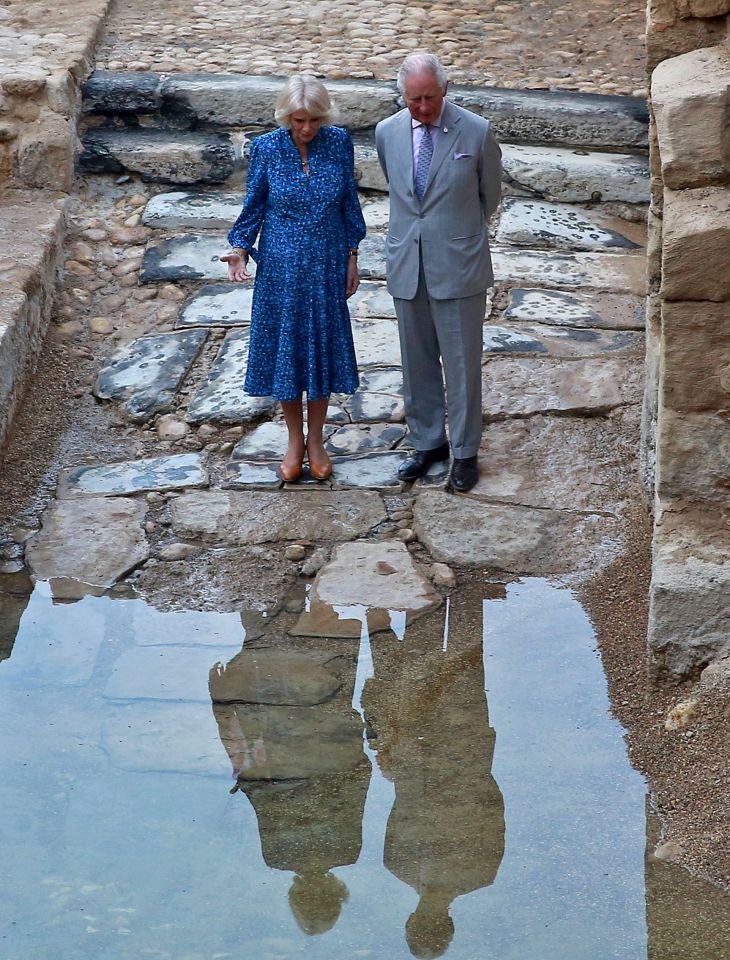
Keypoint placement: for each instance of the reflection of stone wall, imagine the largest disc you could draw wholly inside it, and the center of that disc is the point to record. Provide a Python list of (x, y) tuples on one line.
[(686, 449)]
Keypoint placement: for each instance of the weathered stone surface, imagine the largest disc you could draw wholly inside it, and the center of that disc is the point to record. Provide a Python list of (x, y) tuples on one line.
[(376, 212), (371, 300), (557, 341), (525, 386), (691, 99), (273, 676), (371, 261), (379, 576), (117, 93), (375, 471), (600, 310), (466, 532), (221, 397), (376, 343), (693, 455), (93, 541), (696, 242), (559, 226), (134, 476), (245, 517), (158, 155), (372, 407), (382, 380), (45, 156), (247, 475), (183, 210), (593, 271), (695, 357), (268, 441), (689, 613), (187, 257), (147, 372), (564, 463), (218, 305), (356, 439), (368, 172), (575, 176)]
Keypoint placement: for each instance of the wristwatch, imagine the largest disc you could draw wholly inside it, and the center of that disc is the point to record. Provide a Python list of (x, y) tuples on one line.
[(352, 251)]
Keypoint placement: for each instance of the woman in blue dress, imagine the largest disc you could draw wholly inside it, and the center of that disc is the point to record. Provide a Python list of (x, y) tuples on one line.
[(302, 204)]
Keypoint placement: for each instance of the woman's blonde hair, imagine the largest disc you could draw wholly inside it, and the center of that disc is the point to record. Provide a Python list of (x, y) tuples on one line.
[(304, 92)]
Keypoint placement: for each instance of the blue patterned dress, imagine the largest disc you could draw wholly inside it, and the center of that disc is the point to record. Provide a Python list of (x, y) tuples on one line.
[(301, 339)]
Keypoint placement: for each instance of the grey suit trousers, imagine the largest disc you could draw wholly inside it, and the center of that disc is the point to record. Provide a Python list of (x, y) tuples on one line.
[(432, 333)]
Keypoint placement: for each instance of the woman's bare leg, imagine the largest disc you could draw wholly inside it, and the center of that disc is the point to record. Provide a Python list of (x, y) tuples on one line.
[(291, 465), (320, 465)]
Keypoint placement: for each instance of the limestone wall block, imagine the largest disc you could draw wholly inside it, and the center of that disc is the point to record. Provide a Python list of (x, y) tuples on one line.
[(669, 36), (696, 237), (689, 611), (693, 455), (704, 8), (28, 82), (651, 392), (654, 250), (691, 101), (46, 155), (696, 357)]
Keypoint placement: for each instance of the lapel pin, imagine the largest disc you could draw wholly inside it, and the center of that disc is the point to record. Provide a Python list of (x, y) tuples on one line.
[(446, 129)]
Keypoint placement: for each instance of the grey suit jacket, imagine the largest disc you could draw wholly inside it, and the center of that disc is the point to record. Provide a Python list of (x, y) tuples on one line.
[(449, 224)]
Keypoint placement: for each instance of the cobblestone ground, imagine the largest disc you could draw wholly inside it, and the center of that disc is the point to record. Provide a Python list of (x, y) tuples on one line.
[(543, 44)]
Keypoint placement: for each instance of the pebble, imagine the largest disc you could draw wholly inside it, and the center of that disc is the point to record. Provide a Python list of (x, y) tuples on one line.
[(406, 535), (100, 325), (681, 715), (169, 427), (295, 552), (122, 236), (315, 562), (12, 566), (179, 551), (442, 575)]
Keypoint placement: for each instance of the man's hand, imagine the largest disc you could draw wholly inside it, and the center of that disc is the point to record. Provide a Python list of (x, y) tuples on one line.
[(237, 261), (353, 277)]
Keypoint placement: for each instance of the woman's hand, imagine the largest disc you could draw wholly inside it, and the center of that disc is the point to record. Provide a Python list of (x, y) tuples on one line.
[(353, 277), (237, 261)]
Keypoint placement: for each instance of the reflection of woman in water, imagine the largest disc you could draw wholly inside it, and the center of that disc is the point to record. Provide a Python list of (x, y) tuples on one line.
[(306, 775), (445, 833)]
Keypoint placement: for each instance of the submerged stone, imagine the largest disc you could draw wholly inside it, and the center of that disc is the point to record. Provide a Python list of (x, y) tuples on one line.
[(379, 576), (93, 541), (221, 398), (147, 372), (134, 476), (273, 676), (522, 386), (177, 673), (535, 223), (241, 517), (218, 305), (606, 311)]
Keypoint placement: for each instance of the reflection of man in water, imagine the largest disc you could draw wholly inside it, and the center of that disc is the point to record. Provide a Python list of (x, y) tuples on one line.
[(306, 774), (445, 833)]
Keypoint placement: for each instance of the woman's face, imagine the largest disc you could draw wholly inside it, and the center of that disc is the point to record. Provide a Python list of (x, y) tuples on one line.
[(304, 127)]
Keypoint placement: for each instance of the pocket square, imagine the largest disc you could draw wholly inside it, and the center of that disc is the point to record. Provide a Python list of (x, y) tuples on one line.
[(460, 156)]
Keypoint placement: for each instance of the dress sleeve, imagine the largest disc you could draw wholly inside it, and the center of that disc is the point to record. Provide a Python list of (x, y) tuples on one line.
[(354, 222), (245, 230)]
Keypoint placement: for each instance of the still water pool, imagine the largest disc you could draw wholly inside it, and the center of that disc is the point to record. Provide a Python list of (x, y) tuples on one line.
[(456, 789)]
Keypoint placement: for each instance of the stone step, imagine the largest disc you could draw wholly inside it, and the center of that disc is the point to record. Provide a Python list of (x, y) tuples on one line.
[(618, 272), (551, 341), (561, 226), (191, 101), (606, 311), (537, 172), (196, 257)]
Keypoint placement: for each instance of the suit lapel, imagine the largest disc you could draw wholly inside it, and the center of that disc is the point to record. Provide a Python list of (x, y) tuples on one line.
[(448, 135), (404, 150)]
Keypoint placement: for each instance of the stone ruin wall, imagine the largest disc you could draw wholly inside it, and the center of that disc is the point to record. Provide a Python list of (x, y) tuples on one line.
[(686, 422), (46, 51)]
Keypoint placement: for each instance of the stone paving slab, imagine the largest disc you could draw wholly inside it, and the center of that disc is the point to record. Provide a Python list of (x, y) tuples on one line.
[(187, 257), (268, 441), (252, 475), (368, 172), (555, 341), (221, 397), (462, 531), (355, 439), (218, 305), (599, 310), (374, 407), (376, 343), (243, 517), (377, 471), (147, 372), (372, 300), (94, 541), (576, 176), (623, 273), (566, 463), (380, 576), (376, 212), (159, 156), (176, 472), (382, 380), (371, 259), (560, 226), (524, 386), (283, 677)]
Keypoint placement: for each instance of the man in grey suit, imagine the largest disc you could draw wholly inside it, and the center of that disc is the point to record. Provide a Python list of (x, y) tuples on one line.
[(444, 169)]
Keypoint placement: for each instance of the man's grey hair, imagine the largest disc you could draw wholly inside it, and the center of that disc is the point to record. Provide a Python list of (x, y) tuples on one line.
[(422, 63)]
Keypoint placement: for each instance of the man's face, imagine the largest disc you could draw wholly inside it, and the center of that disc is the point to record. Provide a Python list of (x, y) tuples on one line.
[(424, 97)]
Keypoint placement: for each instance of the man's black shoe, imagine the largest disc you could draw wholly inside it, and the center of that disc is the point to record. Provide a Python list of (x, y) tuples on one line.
[(464, 474), (420, 460)]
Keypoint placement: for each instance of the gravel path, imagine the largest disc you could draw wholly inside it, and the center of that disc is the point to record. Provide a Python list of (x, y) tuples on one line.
[(555, 44)]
